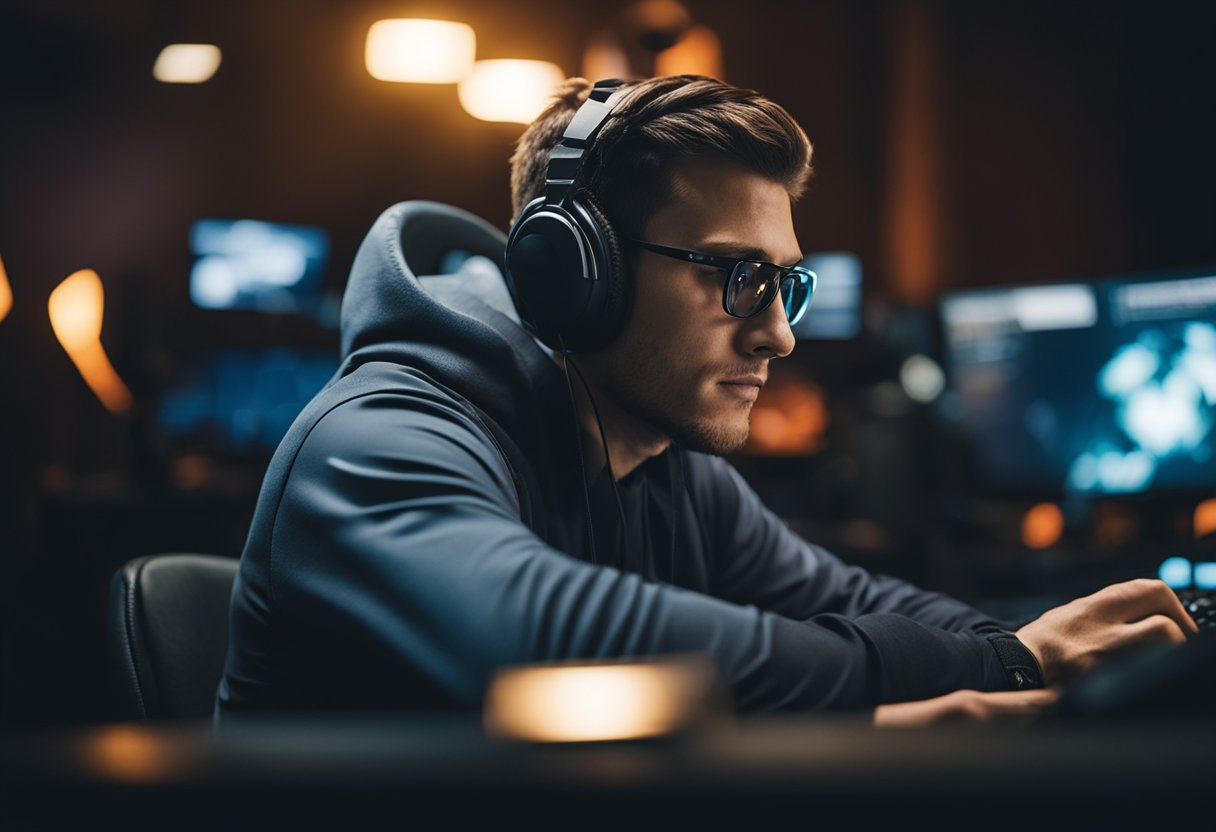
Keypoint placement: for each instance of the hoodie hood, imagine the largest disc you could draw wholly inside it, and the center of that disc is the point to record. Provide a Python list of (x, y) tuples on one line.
[(460, 329)]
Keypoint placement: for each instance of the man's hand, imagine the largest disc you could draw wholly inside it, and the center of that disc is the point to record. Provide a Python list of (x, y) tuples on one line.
[(966, 706), (1071, 639)]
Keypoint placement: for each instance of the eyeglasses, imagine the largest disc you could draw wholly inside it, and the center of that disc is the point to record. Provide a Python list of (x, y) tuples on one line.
[(751, 285)]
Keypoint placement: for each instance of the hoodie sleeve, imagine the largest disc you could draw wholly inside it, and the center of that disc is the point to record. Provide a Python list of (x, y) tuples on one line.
[(399, 520), (758, 560)]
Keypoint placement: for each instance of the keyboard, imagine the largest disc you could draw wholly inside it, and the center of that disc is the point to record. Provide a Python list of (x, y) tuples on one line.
[(1201, 605)]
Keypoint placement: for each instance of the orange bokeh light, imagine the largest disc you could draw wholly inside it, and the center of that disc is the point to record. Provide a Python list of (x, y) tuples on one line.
[(420, 51), (699, 52), (1042, 526), (76, 308), (599, 700), (6, 293), (1205, 518), (789, 418), (137, 754)]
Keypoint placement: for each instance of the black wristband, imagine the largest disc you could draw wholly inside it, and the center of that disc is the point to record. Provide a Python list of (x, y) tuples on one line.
[(1021, 667)]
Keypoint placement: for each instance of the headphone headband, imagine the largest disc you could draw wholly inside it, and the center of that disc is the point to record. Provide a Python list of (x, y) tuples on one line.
[(567, 156), (564, 264)]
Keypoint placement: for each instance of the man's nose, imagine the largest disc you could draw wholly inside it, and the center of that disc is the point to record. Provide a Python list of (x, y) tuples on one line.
[(768, 334)]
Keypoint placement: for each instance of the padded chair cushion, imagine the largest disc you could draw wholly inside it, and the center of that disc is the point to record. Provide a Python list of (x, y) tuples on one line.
[(169, 634)]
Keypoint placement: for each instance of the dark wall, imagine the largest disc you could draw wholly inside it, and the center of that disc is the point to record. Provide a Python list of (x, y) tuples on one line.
[(1072, 141)]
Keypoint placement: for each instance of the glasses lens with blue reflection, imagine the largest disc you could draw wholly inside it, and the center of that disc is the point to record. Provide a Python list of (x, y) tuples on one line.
[(753, 286)]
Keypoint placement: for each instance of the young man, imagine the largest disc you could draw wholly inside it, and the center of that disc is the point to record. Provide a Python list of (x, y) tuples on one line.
[(461, 498)]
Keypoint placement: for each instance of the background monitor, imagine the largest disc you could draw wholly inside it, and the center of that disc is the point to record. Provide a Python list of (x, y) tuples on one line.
[(258, 266), (835, 311), (1090, 388), (241, 402)]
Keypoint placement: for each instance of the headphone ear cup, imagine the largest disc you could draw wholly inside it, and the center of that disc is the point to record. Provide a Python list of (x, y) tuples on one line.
[(568, 275), (615, 287), (550, 272)]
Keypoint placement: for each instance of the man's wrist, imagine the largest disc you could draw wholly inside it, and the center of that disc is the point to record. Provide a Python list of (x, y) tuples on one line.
[(1022, 669)]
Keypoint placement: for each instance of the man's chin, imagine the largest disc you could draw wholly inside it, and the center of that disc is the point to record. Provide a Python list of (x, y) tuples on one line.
[(716, 438), (706, 427)]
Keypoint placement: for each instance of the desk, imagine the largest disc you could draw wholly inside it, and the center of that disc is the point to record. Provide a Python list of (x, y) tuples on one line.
[(757, 772)]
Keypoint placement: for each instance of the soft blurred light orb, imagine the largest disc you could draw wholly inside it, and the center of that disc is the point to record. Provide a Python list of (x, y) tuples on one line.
[(1204, 518), (6, 293), (76, 307), (1042, 526), (699, 52), (420, 51), (1176, 572), (186, 63), (1205, 576), (599, 701), (509, 90), (922, 379)]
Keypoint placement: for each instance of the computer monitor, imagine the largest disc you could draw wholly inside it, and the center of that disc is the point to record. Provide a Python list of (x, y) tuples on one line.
[(1087, 388), (835, 311), (241, 402), (259, 266)]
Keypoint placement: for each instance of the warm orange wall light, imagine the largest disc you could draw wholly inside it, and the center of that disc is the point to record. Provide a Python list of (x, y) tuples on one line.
[(187, 63), (1042, 526), (420, 51), (790, 418), (699, 52), (1205, 517), (513, 91), (6, 293), (76, 308)]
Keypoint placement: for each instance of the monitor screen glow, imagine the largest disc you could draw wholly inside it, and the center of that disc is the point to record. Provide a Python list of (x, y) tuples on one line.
[(1091, 388), (257, 266), (835, 310)]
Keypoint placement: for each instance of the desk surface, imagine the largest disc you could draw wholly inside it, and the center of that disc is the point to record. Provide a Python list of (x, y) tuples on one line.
[(315, 773)]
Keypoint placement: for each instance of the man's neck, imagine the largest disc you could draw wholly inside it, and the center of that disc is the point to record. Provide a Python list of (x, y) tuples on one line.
[(630, 441)]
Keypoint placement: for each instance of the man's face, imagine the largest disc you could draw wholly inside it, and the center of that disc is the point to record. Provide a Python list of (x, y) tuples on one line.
[(682, 366)]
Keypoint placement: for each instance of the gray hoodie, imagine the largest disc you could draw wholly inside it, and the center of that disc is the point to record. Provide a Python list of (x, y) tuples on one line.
[(422, 524)]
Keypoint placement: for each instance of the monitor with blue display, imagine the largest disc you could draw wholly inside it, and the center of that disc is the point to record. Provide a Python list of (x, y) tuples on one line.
[(1088, 388), (242, 402), (258, 266), (835, 311)]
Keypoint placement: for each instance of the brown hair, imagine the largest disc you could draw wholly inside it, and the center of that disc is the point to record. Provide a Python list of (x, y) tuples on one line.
[(654, 123)]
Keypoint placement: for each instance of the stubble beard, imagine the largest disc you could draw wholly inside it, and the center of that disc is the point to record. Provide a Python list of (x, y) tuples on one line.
[(649, 395)]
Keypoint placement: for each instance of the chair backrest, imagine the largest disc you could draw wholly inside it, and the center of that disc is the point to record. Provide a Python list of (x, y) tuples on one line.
[(168, 634)]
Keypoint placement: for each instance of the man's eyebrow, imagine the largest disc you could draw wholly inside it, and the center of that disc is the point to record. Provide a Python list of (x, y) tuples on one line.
[(740, 251)]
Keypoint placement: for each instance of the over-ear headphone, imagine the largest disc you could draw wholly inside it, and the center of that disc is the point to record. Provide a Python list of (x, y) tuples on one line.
[(565, 267)]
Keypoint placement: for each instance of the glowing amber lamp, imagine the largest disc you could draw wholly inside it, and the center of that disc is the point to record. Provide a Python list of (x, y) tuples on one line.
[(420, 51), (699, 52), (76, 307), (598, 701), (187, 63), (1042, 526), (1205, 516), (6, 293), (136, 754), (789, 419), (509, 90)]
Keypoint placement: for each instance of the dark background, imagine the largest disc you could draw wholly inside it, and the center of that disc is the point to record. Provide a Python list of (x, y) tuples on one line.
[(957, 144)]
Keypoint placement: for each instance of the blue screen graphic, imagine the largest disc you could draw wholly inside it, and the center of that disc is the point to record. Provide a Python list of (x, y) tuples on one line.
[(1091, 388), (258, 266), (242, 402), (835, 310)]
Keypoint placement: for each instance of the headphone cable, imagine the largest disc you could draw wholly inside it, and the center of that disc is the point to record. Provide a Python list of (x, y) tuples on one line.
[(679, 459), (578, 439), (620, 506), (674, 525)]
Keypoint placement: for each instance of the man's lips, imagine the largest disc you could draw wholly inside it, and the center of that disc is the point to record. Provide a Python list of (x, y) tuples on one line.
[(746, 388)]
